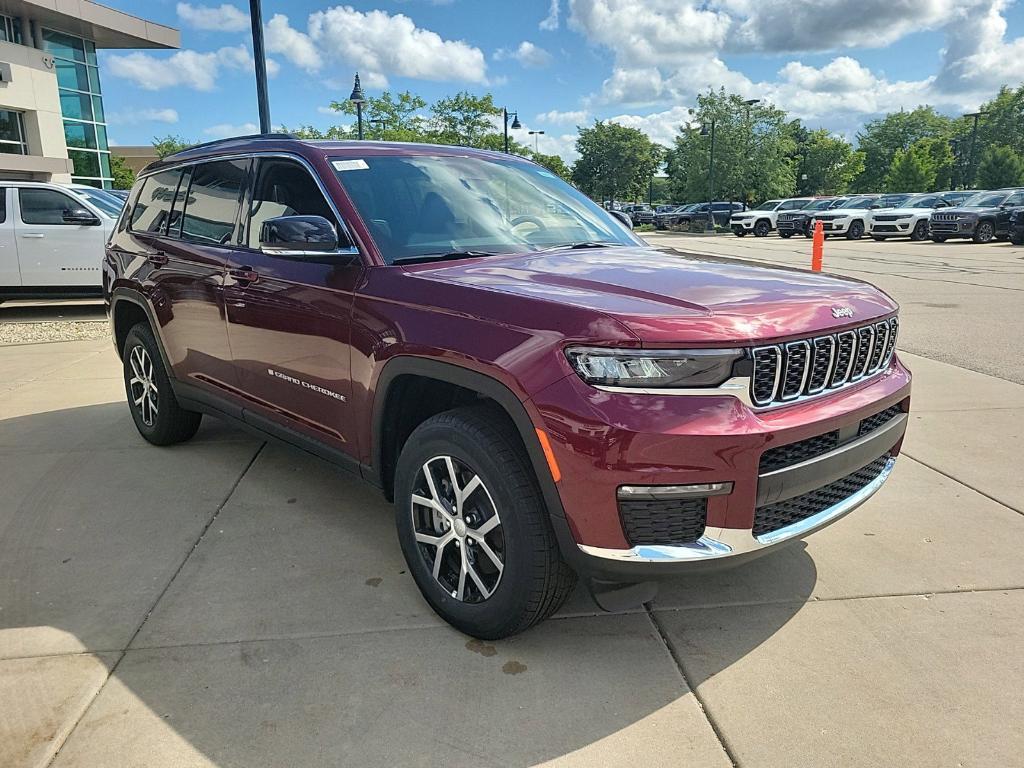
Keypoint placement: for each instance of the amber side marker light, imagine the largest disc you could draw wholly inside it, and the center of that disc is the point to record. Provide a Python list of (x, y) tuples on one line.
[(545, 445)]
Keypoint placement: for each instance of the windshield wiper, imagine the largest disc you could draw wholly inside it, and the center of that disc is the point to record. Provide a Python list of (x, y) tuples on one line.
[(447, 256), (580, 246)]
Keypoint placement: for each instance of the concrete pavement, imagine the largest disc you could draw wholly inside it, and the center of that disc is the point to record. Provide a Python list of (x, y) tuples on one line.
[(229, 603)]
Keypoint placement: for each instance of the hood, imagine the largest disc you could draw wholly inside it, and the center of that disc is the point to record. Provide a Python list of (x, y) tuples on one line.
[(970, 209), (670, 297), (905, 211), (839, 212)]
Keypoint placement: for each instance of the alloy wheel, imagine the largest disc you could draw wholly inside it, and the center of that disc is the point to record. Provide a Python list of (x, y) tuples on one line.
[(145, 396), (458, 531)]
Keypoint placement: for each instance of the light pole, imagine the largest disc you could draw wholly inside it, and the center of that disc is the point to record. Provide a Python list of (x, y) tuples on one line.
[(954, 146), (358, 99), (711, 171), (536, 138), (974, 139), (516, 125), (262, 100), (381, 122), (748, 103)]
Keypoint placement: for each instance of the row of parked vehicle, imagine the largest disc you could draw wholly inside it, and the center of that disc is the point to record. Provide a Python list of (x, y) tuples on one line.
[(51, 238)]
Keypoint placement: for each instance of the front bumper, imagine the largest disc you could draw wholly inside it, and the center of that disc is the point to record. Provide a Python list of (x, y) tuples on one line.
[(745, 224), (650, 439), (891, 228), (837, 227), (962, 228)]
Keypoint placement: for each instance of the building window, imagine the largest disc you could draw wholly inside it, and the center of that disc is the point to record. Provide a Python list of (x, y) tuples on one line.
[(10, 30), (12, 133), (81, 105)]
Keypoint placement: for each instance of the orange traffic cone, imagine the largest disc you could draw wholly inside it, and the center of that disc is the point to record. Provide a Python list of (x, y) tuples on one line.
[(819, 246)]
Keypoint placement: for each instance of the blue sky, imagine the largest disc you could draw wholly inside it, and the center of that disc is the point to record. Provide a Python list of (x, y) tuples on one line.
[(834, 63)]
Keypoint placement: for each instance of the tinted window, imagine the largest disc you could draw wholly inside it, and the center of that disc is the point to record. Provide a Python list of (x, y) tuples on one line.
[(153, 207), (45, 206), (284, 188), (211, 209), (3, 204), (1017, 198), (792, 205)]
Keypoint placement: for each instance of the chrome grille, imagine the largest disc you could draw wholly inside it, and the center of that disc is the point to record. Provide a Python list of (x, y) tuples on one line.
[(784, 373), (943, 217)]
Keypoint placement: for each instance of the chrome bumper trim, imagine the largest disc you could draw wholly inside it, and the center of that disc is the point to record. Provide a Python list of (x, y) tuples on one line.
[(717, 543)]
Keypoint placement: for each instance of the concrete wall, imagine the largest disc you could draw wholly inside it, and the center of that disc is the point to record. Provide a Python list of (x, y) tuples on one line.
[(32, 89)]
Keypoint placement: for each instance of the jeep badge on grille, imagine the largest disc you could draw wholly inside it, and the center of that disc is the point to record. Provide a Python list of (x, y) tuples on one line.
[(842, 312)]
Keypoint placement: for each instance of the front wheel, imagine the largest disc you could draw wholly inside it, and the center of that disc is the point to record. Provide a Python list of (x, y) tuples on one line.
[(984, 232), (155, 410), (856, 231), (762, 228), (1015, 239), (785, 235), (920, 231), (938, 238), (878, 238), (740, 232), (473, 526)]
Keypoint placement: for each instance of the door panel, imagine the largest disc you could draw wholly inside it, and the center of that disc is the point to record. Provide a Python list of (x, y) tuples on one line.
[(289, 319), (51, 252)]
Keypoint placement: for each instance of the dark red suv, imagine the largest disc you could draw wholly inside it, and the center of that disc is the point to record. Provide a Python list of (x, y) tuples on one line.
[(541, 393)]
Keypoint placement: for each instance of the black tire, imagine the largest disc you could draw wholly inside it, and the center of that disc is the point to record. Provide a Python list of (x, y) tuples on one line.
[(984, 232), (938, 238), (856, 230), (158, 416), (785, 235), (740, 232), (878, 238), (1015, 239), (920, 231), (762, 227), (534, 580)]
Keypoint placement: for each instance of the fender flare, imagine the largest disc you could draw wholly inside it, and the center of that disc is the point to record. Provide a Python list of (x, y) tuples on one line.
[(472, 380), (132, 296)]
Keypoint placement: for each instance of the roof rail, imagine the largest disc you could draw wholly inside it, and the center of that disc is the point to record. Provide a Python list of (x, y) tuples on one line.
[(229, 139)]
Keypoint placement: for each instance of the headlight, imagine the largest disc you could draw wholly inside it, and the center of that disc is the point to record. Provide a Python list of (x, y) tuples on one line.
[(660, 368)]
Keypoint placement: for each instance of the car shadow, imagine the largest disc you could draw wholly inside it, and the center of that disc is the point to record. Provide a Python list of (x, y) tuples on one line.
[(288, 631)]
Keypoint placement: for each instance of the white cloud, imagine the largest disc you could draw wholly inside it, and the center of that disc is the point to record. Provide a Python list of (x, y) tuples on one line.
[(572, 117), (662, 127), (550, 22), (297, 47), (382, 44), (187, 68), (221, 18), (226, 130), (133, 117), (527, 54)]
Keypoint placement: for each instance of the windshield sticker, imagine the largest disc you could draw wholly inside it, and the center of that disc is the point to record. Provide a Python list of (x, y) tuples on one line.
[(349, 165)]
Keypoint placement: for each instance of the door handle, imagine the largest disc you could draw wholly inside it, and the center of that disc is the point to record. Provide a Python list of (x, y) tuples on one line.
[(244, 275), (157, 258), (33, 235)]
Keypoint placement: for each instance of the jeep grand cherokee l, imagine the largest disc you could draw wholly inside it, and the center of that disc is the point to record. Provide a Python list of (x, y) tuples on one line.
[(983, 217), (540, 393)]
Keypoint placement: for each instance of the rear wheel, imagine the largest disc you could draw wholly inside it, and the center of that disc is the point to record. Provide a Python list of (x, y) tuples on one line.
[(856, 231), (920, 231), (474, 528), (762, 228), (155, 410), (984, 232)]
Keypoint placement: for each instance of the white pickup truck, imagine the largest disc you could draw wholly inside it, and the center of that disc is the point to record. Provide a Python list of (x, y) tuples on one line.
[(51, 240)]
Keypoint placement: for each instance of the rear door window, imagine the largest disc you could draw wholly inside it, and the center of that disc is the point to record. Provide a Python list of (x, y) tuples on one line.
[(153, 208), (213, 202)]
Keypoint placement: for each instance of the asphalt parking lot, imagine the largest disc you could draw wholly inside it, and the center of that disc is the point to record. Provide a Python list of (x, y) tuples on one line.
[(231, 603)]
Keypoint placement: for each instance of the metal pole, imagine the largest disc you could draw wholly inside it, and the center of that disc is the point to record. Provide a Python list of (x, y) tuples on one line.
[(262, 100), (974, 138), (711, 178), (359, 118), (504, 112)]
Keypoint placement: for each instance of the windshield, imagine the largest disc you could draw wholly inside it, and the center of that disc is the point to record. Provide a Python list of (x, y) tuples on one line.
[(109, 204), (858, 202), (423, 205), (768, 205), (984, 200), (819, 205), (920, 201)]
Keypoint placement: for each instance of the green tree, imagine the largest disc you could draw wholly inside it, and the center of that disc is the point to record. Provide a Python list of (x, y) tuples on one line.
[(169, 144), (553, 163), (829, 162), (753, 157), (880, 139), (615, 161), (388, 117), (912, 170), (124, 176), (334, 133), (1000, 167), (466, 120)]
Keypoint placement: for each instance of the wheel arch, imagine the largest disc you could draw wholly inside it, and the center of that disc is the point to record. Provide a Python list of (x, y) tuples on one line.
[(128, 307), (386, 444)]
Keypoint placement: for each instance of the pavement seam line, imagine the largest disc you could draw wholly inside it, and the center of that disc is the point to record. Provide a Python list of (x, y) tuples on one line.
[(958, 481), (677, 660), (167, 586)]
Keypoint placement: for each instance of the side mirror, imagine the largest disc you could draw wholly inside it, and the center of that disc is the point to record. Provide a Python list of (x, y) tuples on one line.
[(623, 218), (298, 236), (874, 207), (80, 216)]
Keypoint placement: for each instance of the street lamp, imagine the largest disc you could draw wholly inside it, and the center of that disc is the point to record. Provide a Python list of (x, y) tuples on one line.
[(381, 122), (536, 138), (955, 147), (262, 100), (704, 131), (358, 99), (974, 138), (516, 125), (748, 103)]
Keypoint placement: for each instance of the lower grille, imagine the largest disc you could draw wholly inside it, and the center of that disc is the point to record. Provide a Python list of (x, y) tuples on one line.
[(772, 517), (871, 423), (885, 228), (669, 522)]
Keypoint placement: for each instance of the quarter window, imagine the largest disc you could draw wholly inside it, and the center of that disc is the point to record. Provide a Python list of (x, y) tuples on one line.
[(211, 210), (45, 206), (153, 208), (284, 188), (1015, 199)]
